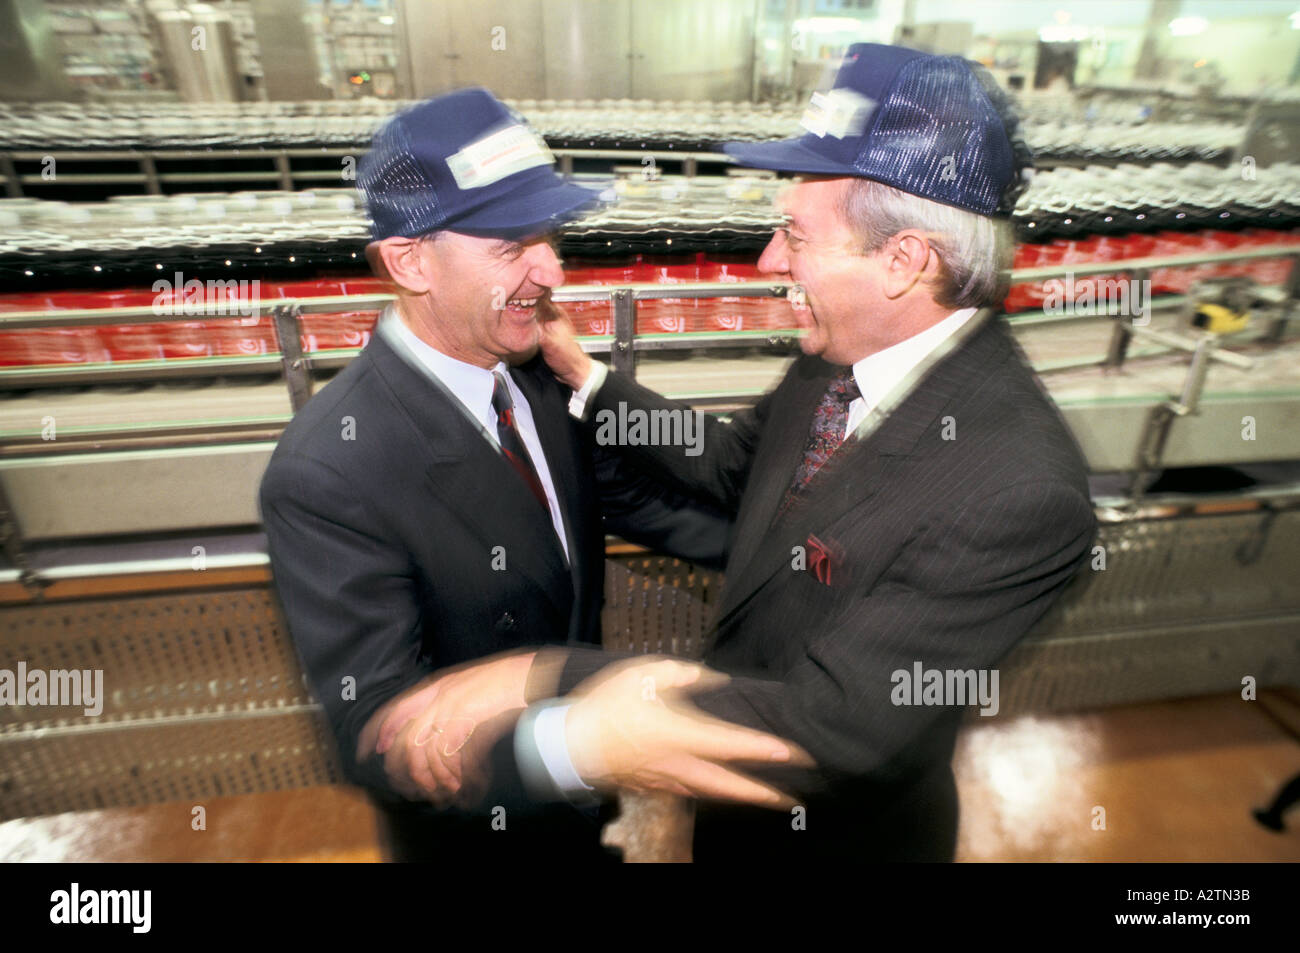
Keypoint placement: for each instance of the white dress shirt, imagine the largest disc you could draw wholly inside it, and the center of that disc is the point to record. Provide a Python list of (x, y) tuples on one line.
[(878, 374), (473, 386)]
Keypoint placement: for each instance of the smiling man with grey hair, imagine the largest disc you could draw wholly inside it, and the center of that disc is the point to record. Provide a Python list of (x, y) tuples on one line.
[(906, 500)]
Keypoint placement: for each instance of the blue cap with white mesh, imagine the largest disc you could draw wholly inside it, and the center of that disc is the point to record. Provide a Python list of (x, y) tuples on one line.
[(918, 122), (464, 162)]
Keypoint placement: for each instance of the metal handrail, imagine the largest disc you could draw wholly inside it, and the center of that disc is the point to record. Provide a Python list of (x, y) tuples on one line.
[(1151, 264)]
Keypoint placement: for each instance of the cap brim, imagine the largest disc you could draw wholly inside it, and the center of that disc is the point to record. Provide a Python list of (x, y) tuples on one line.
[(529, 210), (788, 155)]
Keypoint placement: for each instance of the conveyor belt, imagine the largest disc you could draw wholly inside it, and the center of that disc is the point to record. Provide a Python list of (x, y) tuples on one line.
[(194, 454), (1051, 131), (262, 229)]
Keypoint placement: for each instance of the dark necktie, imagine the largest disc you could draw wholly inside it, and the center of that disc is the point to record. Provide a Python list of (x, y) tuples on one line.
[(827, 431), (512, 445)]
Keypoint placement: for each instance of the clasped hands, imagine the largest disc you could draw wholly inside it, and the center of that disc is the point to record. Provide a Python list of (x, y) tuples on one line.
[(630, 727)]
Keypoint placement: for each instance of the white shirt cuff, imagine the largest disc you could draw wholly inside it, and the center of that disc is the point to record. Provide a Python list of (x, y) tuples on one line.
[(548, 735), (593, 383)]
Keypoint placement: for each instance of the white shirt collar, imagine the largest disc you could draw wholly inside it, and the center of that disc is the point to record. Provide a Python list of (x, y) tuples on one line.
[(878, 374), (472, 385)]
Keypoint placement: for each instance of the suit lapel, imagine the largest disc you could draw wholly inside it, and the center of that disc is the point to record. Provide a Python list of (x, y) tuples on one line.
[(853, 475), (471, 477)]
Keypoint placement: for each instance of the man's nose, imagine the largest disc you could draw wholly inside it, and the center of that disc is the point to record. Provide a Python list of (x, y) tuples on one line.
[(545, 267), (773, 261)]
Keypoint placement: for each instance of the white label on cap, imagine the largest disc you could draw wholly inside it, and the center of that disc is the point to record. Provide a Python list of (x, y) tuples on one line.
[(498, 155), (839, 113)]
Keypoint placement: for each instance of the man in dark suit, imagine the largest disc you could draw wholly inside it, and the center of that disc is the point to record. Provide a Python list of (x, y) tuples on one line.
[(436, 505), (907, 501)]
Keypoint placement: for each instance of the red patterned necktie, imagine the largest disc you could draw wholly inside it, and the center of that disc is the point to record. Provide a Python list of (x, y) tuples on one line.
[(512, 445), (827, 431)]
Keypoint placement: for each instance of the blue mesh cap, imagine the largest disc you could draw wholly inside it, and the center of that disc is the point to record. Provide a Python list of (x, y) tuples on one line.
[(466, 162), (919, 122)]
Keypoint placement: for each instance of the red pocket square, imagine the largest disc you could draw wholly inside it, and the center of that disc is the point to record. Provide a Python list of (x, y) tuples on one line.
[(823, 559)]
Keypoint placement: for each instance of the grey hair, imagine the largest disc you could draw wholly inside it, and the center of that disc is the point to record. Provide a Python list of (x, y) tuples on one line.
[(974, 250)]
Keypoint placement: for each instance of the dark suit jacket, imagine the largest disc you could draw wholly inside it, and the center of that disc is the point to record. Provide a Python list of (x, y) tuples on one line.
[(385, 508), (941, 551)]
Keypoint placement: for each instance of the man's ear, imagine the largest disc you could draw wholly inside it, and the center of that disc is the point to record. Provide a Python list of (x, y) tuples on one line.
[(401, 261), (907, 257)]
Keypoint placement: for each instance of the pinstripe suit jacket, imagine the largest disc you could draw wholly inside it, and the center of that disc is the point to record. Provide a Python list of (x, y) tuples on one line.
[(947, 533)]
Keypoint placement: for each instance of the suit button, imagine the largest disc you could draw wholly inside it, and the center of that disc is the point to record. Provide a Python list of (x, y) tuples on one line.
[(506, 623)]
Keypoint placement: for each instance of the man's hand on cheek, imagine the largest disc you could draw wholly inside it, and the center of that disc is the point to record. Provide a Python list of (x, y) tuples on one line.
[(560, 347)]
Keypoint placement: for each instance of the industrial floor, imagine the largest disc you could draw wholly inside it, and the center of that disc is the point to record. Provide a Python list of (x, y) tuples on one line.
[(1176, 780)]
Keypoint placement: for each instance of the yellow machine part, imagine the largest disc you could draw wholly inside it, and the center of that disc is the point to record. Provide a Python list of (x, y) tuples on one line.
[(1218, 319)]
